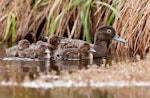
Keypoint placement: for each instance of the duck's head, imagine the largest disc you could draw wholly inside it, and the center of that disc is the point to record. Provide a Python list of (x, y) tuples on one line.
[(102, 38), (23, 44), (107, 33)]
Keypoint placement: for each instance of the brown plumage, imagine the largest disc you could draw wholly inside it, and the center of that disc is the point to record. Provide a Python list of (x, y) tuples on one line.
[(38, 50), (102, 39), (73, 53), (53, 44)]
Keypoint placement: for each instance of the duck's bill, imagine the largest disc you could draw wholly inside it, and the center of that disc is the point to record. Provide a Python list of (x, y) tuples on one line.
[(118, 38), (92, 50)]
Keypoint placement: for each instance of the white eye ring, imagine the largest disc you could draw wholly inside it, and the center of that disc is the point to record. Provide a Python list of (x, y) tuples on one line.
[(109, 31)]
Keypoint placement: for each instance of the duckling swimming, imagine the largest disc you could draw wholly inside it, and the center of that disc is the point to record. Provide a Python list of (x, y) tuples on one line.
[(83, 52), (13, 51)]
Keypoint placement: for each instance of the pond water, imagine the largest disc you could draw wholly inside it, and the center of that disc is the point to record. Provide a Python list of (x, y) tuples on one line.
[(18, 79)]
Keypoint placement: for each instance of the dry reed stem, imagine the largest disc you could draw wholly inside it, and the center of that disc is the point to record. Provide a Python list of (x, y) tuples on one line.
[(134, 26)]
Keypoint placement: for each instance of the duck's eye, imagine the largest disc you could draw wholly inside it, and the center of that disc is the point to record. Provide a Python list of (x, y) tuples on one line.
[(109, 31)]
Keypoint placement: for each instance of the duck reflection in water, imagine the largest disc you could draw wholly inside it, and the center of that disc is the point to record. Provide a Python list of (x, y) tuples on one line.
[(69, 65)]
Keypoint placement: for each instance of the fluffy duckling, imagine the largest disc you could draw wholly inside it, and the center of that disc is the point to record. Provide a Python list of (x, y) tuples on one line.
[(13, 51), (39, 50), (83, 52), (53, 44), (86, 51), (43, 51)]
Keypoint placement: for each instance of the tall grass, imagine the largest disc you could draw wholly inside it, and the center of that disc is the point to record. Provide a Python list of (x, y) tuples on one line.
[(134, 26), (34, 19), (8, 27), (50, 16), (84, 18), (72, 4), (13, 28)]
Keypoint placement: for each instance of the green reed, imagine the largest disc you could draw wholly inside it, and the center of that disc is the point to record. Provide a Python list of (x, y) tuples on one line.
[(84, 18), (7, 27), (13, 27), (10, 28), (50, 15)]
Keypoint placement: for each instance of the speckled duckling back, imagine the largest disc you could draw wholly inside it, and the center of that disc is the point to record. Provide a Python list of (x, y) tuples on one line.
[(75, 53)]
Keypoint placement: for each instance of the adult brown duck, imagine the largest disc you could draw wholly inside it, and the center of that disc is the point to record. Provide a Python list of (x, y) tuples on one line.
[(102, 39)]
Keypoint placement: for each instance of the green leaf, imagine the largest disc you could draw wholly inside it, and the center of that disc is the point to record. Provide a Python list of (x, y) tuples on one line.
[(13, 27), (53, 28), (7, 27), (84, 18), (50, 15)]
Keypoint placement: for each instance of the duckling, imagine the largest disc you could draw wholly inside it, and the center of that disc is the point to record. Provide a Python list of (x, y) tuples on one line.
[(54, 41), (38, 50), (53, 44), (13, 51), (43, 51), (28, 53), (86, 51), (23, 44), (83, 52)]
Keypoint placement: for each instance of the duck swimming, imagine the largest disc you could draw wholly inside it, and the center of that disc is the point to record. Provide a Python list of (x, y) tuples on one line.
[(102, 39)]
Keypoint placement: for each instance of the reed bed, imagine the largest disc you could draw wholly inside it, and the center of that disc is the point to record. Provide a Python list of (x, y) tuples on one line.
[(35, 19), (134, 26)]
